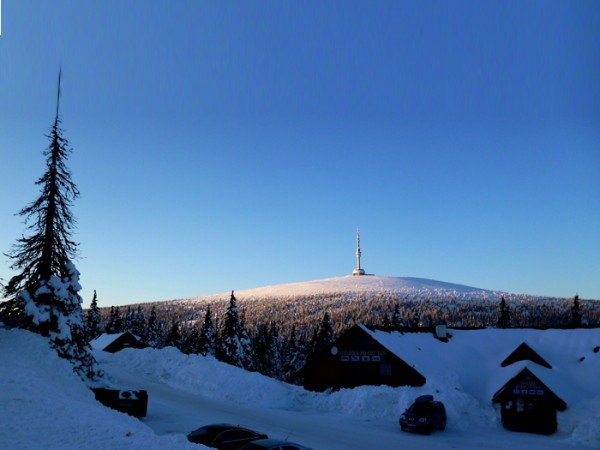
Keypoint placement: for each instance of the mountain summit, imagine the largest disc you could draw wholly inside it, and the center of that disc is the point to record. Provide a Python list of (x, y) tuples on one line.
[(360, 284)]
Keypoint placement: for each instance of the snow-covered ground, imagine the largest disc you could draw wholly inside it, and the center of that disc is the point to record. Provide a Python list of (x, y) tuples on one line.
[(187, 391), (44, 405)]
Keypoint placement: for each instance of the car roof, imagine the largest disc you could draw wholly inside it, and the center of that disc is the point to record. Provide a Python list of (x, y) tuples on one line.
[(272, 442)]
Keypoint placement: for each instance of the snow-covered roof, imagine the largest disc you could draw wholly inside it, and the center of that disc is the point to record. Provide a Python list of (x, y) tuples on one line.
[(102, 341), (471, 358)]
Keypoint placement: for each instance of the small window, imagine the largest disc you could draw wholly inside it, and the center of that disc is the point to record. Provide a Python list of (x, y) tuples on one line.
[(385, 370)]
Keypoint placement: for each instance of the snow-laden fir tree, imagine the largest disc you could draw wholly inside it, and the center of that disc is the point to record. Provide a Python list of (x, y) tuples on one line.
[(397, 319), (274, 349), (44, 295), (191, 340), (138, 327), (174, 338), (504, 315), (115, 321), (154, 331), (235, 346), (323, 337), (575, 314), (128, 321), (294, 356), (207, 340), (93, 323)]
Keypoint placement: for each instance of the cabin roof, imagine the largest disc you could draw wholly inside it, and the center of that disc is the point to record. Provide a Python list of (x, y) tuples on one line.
[(105, 339), (472, 358), (525, 352)]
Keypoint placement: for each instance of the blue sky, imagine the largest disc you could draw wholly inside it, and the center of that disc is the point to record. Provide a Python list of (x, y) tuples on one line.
[(229, 145)]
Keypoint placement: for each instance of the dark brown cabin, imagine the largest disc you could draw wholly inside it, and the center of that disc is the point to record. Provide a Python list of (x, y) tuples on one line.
[(522, 353), (528, 404), (357, 359), (125, 340)]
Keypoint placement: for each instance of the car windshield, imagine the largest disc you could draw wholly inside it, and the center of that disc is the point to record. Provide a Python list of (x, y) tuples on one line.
[(420, 408)]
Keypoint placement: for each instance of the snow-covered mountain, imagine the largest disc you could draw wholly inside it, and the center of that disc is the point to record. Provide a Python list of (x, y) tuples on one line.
[(359, 284)]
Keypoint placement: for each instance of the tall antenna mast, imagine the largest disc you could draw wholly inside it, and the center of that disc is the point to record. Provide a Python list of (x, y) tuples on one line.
[(358, 271), (58, 95)]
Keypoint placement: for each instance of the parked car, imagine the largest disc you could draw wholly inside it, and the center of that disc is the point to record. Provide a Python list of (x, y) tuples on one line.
[(424, 415), (224, 436), (273, 444)]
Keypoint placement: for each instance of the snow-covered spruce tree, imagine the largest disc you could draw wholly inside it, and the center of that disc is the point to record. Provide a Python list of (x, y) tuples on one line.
[(174, 338), (207, 340), (324, 335), (44, 295), (154, 332), (294, 356), (93, 323), (504, 315), (575, 314), (110, 323), (128, 321), (397, 319), (119, 323), (275, 366), (234, 344), (139, 324)]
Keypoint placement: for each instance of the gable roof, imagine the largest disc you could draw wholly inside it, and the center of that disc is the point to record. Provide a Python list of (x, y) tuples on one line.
[(104, 340), (471, 358), (505, 392), (525, 352)]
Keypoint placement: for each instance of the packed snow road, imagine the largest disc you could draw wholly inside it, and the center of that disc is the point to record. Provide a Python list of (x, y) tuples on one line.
[(174, 411)]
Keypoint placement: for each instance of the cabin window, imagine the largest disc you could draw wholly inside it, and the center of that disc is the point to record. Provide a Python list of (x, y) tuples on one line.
[(520, 405), (385, 369)]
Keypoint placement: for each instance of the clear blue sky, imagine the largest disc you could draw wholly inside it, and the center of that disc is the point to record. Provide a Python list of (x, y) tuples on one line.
[(229, 145)]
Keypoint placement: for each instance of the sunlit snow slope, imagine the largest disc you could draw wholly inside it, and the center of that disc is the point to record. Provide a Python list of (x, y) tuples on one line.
[(366, 283)]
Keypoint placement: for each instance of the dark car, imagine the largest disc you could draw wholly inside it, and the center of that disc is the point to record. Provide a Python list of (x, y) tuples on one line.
[(224, 436), (273, 444), (424, 415)]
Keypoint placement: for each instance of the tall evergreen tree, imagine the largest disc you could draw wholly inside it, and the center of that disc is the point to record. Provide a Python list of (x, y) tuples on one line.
[(93, 323), (174, 338), (119, 324), (235, 346), (191, 340), (44, 295), (324, 335), (504, 315), (112, 318), (154, 333), (207, 340), (139, 324), (294, 356), (575, 313), (128, 321), (397, 319)]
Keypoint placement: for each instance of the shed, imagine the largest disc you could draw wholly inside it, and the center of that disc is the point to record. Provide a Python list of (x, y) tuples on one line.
[(113, 343), (528, 404), (356, 358)]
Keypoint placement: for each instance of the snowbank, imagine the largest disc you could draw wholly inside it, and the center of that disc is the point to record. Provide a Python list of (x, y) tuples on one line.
[(461, 382), (44, 404)]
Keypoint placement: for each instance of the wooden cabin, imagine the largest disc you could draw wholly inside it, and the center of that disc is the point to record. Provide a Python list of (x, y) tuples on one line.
[(113, 343), (527, 404), (357, 359)]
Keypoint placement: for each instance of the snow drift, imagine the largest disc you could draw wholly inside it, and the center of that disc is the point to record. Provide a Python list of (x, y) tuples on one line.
[(44, 404)]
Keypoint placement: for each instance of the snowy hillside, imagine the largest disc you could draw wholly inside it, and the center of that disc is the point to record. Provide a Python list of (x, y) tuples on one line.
[(361, 284), (44, 405)]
